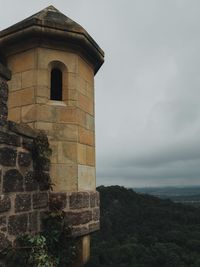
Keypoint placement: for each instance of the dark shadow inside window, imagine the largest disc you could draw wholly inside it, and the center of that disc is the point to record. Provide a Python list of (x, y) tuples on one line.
[(56, 84)]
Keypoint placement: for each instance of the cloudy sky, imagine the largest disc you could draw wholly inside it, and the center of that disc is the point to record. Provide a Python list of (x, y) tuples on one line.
[(148, 90)]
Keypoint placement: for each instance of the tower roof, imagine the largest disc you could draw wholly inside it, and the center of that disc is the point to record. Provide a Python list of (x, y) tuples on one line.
[(50, 24)]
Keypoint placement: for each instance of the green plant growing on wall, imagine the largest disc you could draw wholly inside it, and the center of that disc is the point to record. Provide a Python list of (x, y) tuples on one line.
[(53, 247)]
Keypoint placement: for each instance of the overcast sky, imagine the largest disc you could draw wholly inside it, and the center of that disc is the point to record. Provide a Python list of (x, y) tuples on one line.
[(148, 90)]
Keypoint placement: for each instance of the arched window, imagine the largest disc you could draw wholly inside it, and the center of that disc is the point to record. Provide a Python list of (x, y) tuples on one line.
[(56, 84)]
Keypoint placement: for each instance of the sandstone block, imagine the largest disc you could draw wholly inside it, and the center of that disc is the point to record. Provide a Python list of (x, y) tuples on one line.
[(86, 136), (22, 62), (78, 218), (67, 115), (14, 114), (86, 104), (42, 91), (81, 117), (96, 214), (16, 82), (22, 202), (21, 98), (67, 152), (86, 178), (81, 85), (57, 201), (5, 204), (72, 94), (54, 155), (24, 159), (40, 200), (43, 77), (94, 199), (3, 90), (46, 113), (82, 154), (48, 56), (80, 231), (85, 70), (90, 155), (64, 177), (17, 224), (30, 181), (65, 132), (78, 200), (27, 143), (29, 113), (12, 181), (9, 139), (28, 78), (94, 227), (89, 122), (33, 221), (8, 156), (72, 81), (4, 242)]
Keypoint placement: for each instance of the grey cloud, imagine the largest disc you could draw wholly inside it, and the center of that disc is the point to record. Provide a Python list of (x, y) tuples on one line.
[(147, 92)]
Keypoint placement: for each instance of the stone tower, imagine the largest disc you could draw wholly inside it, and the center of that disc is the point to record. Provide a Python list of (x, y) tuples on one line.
[(53, 61)]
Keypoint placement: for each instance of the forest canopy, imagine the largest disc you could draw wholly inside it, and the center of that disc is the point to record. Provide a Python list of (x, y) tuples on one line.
[(139, 230)]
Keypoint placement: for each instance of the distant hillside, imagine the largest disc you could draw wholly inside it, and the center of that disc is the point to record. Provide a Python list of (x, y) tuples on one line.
[(169, 191), (144, 231)]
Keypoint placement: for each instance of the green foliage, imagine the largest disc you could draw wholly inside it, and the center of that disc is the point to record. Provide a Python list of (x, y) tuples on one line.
[(139, 230), (54, 247)]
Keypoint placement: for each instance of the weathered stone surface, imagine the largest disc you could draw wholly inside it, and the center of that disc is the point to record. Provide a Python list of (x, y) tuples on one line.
[(8, 156), (43, 181), (87, 178), (57, 201), (79, 200), (77, 218), (94, 227), (22, 129), (9, 139), (30, 181), (33, 221), (96, 214), (2, 221), (94, 199), (22, 202), (3, 224), (80, 231), (17, 224), (27, 143), (4, 242), (40, 200), (12, 181), (3, 113), (3, 89), (24, 159), (5, 203)]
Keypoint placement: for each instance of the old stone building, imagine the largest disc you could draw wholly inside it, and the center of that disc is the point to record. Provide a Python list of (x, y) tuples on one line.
[(49, 62)]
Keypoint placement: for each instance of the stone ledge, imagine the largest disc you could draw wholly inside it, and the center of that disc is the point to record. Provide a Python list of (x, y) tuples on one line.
[(22, 129), (81, 209)]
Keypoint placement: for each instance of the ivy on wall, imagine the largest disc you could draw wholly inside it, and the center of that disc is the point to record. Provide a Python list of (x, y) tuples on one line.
[(53, 247)]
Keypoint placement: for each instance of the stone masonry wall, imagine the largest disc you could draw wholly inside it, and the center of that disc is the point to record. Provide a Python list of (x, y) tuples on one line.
[(23, 197)]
